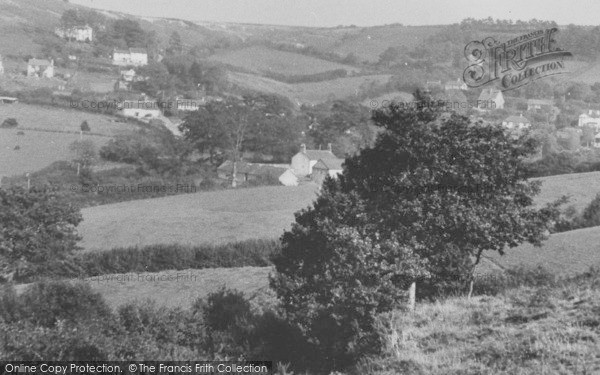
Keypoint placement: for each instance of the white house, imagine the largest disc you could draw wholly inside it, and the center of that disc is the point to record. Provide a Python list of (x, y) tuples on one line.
[(78, 33), (143, 109), (490, 98), (516, 122), (304, 161), (131, 56), (40, 68), (591, 119), (1, 66)]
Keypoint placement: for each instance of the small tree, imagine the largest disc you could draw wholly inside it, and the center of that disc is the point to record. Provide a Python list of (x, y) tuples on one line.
[(10, 123), (85, 127), (84, 154), (36, 227)]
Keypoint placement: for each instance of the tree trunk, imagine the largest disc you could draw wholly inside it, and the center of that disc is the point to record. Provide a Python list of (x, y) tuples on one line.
[(234, 174), (412, 296)]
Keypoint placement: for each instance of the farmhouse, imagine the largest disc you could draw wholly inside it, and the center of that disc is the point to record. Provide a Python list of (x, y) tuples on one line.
[(78, 33), (131, 56), (250, 171), (304, 161), (40, 68), (490, 99), (455, 85), (516, 122), (331, 167), (140, 109)]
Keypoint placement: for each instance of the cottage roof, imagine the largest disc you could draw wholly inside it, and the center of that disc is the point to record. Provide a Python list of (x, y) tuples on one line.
[(331, 164), (39, 62), (517, 119), (123, 51)]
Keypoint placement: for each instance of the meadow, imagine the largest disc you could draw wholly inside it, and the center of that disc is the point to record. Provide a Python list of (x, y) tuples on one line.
[(48, 132), (258, 59), (581, 188), (207, 217)]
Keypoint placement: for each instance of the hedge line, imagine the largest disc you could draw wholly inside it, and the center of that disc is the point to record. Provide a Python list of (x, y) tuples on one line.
[(155, 258)]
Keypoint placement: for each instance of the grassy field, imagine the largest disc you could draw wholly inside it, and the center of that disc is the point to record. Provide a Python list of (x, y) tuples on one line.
[(581, 188), (38, 149), (261, 59), (566, 253), (310, 92), (180, 288), (209, 217), (543, 330), (47, 136)]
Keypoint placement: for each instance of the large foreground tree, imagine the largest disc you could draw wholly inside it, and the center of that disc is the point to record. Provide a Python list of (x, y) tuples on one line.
[(421, 205)]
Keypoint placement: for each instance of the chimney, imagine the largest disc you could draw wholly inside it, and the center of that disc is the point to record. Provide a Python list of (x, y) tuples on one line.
[(303, 148), (329, 147)]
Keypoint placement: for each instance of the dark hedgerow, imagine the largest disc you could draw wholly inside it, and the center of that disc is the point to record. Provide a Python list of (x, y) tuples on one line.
[(155, 258)]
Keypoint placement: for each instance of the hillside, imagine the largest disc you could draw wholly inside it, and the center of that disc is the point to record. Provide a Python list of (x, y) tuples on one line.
[(258, 59), (309, 92)]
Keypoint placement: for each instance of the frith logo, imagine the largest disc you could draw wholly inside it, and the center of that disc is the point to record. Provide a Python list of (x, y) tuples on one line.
[(516, 62)]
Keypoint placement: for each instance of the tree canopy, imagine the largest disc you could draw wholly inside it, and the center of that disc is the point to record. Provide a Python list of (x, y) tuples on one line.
[(422, 204)]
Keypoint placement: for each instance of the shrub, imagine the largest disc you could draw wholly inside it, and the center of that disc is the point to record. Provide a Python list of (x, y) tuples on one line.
[(85, 127), (46, 303), (9, 123)]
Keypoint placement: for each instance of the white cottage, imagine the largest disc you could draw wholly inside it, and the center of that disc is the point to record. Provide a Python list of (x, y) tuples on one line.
[(304, 161)]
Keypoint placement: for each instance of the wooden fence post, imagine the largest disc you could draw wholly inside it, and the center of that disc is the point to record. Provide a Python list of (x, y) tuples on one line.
[(411, 296)]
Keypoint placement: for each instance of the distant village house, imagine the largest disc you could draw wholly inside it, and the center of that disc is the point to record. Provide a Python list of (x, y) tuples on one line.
[(516, 122), (142, 109), (591, 119), (78, 33), (131, 56), (40, 68), (1, 66)]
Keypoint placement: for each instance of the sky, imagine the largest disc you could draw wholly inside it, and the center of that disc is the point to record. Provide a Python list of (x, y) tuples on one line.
[(329, 13)]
